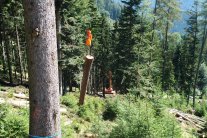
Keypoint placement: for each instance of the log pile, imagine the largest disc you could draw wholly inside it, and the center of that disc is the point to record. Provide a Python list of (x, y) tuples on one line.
[(190, 120)]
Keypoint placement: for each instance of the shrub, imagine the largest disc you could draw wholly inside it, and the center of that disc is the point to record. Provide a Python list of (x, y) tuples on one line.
[(139, 120), (165, 126), (67, 130), (86, 113), (13, 124), (101, 128), (130, 129), (69, 100), (77, 125), (200, 110), (13, 127), (92, 108), (111, 110), (4, 110)]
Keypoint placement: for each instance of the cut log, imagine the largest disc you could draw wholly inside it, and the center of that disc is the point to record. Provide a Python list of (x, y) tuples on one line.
[(86, 71)]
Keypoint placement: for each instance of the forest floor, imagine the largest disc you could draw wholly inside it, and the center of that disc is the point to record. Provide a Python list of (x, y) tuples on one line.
[(18, 97)]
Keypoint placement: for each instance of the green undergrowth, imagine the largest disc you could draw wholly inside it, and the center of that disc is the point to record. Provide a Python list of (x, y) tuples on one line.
[(13, 122), (123, 116), (90, 111), (130, 117), (179, 102)]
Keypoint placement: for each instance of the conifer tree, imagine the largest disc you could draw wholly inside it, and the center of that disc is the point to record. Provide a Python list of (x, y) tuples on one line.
[(192, 42), (103, 51), (124, 51), (168, 11)]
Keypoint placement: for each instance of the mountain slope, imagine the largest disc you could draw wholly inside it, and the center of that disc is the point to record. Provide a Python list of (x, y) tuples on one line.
[(180, 24), (110, 7)]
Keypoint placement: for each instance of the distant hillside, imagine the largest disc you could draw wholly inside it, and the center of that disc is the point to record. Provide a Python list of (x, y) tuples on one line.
[(185, 4), (181, 24), (110, 7)]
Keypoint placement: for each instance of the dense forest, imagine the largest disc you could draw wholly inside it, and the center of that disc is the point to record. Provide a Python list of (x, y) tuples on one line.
[(151, 54)]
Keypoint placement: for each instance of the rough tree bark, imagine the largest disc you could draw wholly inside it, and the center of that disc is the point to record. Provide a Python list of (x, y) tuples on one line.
[(43, 68)]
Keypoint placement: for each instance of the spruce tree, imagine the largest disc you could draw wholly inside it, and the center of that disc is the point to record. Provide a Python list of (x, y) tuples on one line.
[(167, 12), (191, 42), (125, 55)]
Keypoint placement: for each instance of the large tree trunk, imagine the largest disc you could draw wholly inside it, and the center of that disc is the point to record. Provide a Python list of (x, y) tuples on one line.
[(43, 68), (58, 29), (19, 55)]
